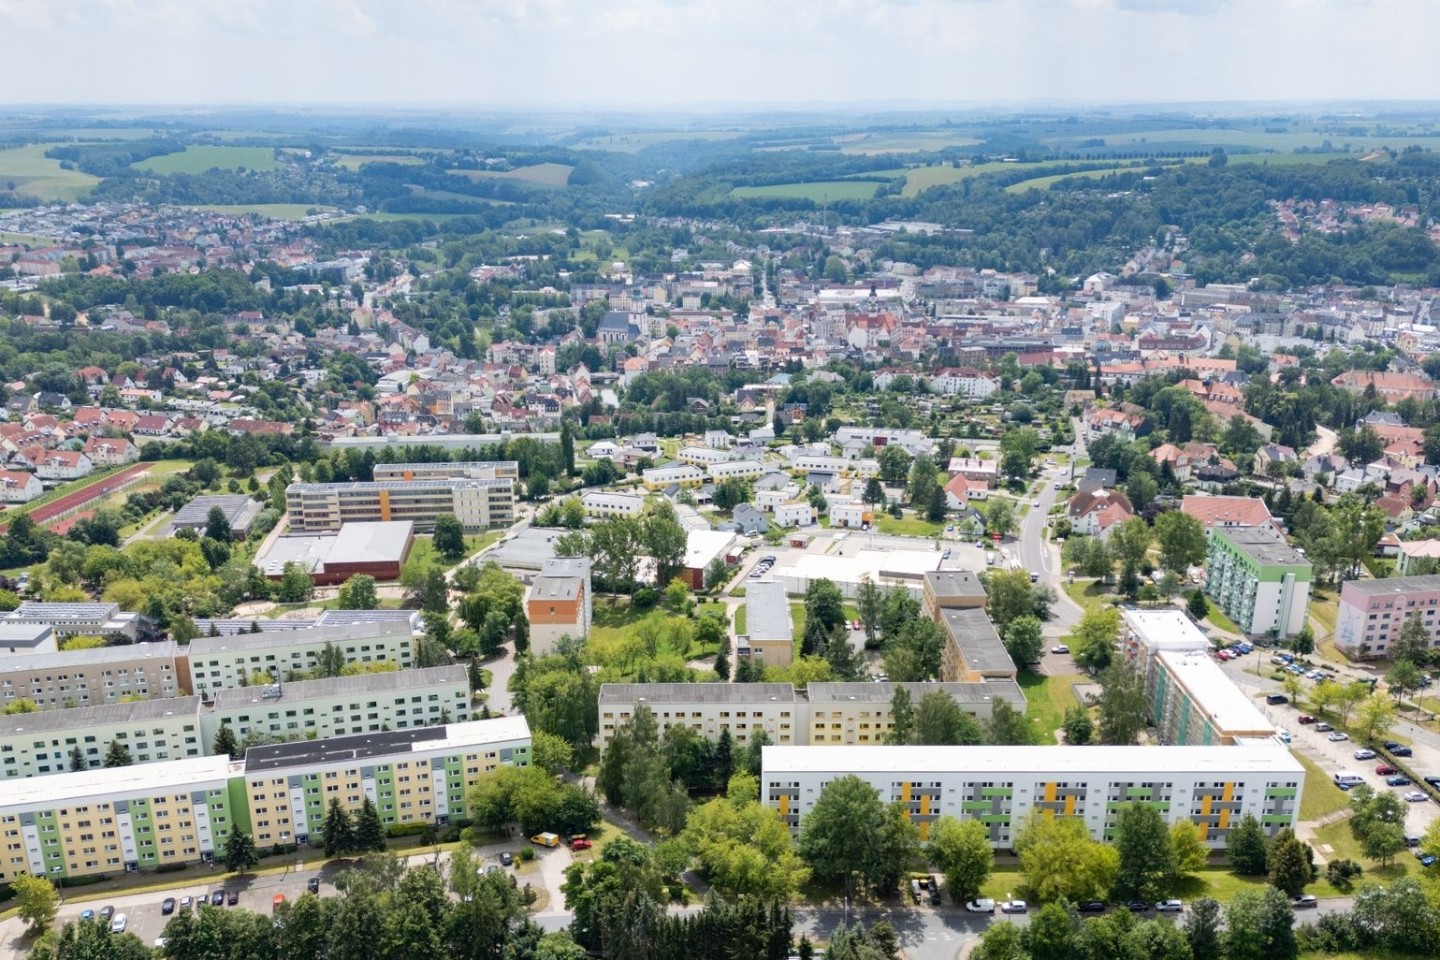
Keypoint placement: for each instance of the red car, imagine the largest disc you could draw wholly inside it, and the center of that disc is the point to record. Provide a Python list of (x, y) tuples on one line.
[(580, 842), (1306, 718), (1385, 770)]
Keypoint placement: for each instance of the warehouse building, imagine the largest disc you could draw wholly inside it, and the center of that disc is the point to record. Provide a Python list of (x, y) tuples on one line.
[(478, 504), (81, 678), (226, 662), (41, 744), (1001, 786), (377, 549)]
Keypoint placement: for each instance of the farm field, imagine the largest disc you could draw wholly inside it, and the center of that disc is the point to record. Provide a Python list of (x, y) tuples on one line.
[(639, 140), (819, 191), (277, 211), (1204, 139), (921, 179), (908, 141), (198, 159), (36, 175), (353, 161), (539, 174)]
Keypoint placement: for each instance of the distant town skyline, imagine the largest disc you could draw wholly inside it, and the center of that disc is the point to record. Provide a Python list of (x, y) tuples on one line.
[(678, 53)]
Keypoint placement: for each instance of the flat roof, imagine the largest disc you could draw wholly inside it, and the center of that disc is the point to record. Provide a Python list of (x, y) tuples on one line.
[(362, 683), (24, 634), (117, 783), (239, 510), (375, 486), (60, 612), (980, 645), (1054, 761), (567, 567), (369, 746), (309, 551), (703, 546), (1165, 629), (875, 564), (1263, 546), (339, 618), (1215, 694), (104, 714), (247, 642), (232, 626), (954, 583), (528, 549), (547, 587), (661, 693), (1392, 585), (371, 541), (22, 662), (767, 612), (1007, 690)]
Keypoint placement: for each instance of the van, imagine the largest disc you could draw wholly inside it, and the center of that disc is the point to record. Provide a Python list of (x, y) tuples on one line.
[(1276, 698), (546, 839), (990, 558), (1348, 778)]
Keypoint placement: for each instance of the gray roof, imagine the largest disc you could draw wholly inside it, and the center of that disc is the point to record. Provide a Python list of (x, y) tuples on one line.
[(60, 612), (1263, 545), (20, 663), (662, 693), (556, 588), (954, 583), (240, 511), (299, 753), (362, 683), (233, 626), (962, 693), (372, 541), (24, 634), (246, 642), (103, 715), (980, 646), (340, 618), (767, 611), (1390, 585), (527, 550)]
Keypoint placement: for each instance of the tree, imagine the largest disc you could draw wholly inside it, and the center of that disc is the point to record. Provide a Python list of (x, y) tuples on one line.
[(1146, 856), (1202, 927), (869, 602), (1024, 640), (1413, 644), (295, 584), (449, 537), (1197, 606), (960, 850), (1017, 450), (550, 753), (1000, 941), (902, 714), (1247, 848), (369, 831), (874, 494), (1289, 862), (894, 464), (1187, 840), (1095, 637), (939, 721), (240, 854), (1079, 728), (1007, 726), (1182, 540), (1259, 926), (358, 593), (226, 744), (1009, 594), (77, 760), (825, 604), (1060, 860), (1051, 933), (913, 651), (37, 899), (337, 834), (1122, 703), (1000, 516), (742, 847), (850, 833), (1403, 678), (1130, 540), (937, 504), (117, 755), (1378, 822), (664, 541), (1374, 718), (217, 527)]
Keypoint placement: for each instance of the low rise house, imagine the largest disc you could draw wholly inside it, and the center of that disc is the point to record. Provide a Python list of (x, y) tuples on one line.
[(19, 487), (63, 465)]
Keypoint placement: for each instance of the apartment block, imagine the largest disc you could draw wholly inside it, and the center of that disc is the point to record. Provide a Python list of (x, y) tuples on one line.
[(339, 706), (1192, 702), (227, 662), (951, 590), (1001, 786), (40, 744), (412, 776), (600, 504), (859, 713), (973, 651), (1373, 611), (769, 629), (560, 603), (478, 504), (683, 474), (737, 470), (82, 678), (458, 470), (1258, 580)]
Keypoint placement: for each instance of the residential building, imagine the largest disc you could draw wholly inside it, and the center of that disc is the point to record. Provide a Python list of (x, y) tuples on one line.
[(1258, 580), (736, 470), (72, 619), (851, 514), (973, 651), (743, 709), (39, 744), (749, 520), (19, 487), (1372, 613), (859, 713), (478, 504), (1000, 786), (1096, 514), (702, 456), (63, 465), (1389, 386), (110, 451), (598, 503), (1228, 512), (769, 628), (796, 513), (683, 474), (964, 382), (81, 678), (560, 603), (951, 590), (446, 470), (338, 706), (226, 662), (1191, 701), (24, 639), (1414, 552), (238, 510)]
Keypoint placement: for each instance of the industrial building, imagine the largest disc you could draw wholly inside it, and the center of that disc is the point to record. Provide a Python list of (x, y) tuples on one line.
[(1000, 786), (1373, 611), (82, 678), (226, 662), (239, 511), (561, 603), (377, 549), (40, 744), (478, 504), (886, 568), (1258, 580)]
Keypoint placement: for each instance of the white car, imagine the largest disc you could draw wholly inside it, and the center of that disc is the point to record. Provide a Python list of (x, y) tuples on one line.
[(1014, 906), (118, 923), (1170, 906), (1337, 736), (1364, 753), (1059, 648), (1411, 796), (982, 905)]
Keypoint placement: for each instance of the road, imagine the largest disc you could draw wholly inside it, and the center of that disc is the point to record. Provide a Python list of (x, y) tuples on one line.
[(1039, 555)]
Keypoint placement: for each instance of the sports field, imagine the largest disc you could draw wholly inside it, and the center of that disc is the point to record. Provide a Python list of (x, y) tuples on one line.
[(35, 175), (198, 159)]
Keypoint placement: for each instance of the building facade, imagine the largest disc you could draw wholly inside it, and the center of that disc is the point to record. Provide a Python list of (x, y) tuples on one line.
[(478, 504), (458, 470), (228, 662), (42, 744), (1373, 611), (600, 504), (82, 678), (560, 603), (1258, 580), (1001, 786)]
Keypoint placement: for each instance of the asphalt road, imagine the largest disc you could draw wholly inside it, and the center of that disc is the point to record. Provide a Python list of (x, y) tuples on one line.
[(1036, 553)]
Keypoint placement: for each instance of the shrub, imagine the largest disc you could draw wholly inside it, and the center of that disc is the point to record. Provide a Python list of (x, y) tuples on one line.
[(527, 854), (171, 867), (1342, 873)]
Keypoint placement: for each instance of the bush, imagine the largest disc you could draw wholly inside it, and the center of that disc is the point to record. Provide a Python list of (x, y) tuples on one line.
[(171, 867), (1342, 873), (645, 598), (97, 878), (406, 829), (527, 854)]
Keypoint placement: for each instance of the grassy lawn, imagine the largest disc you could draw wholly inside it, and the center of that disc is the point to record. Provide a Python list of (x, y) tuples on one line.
[(909, 526), (740, 620), (198, 159), (423, 555), (1320, 796), (1218, 882), (818, 191), (797, 619), (1046, 700), (1221, 622), (36, 175), (539, 174), (1088, 593), (1343, 845)]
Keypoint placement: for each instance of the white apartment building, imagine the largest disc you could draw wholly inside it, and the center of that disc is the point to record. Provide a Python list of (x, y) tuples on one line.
[(600, 504), (228, 662), (338, 706), (797, 513), (19, 487), (478, 504), (703, 456), (683, 474), (1000, 786), (38, 744), (964, 382), (444, 470), (737, 469)]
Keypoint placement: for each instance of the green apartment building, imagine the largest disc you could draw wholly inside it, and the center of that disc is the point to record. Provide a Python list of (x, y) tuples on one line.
[(1258, 580)]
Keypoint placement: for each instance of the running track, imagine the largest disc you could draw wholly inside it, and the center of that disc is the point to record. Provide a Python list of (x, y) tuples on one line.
[(43, 514)]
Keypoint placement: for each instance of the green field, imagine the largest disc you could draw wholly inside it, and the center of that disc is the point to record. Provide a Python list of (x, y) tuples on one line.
[(865, 144), (277, 211), (198, 159), (539, 174), (353, 161), (25, 239), (820, 191), (33, 174), (1044, 183), (636, 141), (1046, 700), (1204, 139)]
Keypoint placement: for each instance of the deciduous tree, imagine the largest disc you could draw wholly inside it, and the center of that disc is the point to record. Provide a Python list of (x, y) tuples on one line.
[(961, 851)]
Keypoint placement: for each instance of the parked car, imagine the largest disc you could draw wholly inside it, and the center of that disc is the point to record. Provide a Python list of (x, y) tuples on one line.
[(167, 907), (1275, 699), (313, 885), (1412, 840), (1398, 780), (1137, 906), (233, 897), (1306, 901), (981, 905), (1323, 727), (118, 923), (1170, 906), (1014, 906), (1416, 796), (106, 912), (1426, 859), (1338, 736), (580, 842), (1397, 748), (1384, 770), (1060, 648), (217, 899), (934, 893), (1305, 718), (1091, 906), (87, 915), (1364, 753), (507, 858), (185, 904)]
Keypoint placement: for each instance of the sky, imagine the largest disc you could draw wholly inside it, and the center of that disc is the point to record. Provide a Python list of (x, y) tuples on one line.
[(698, 53)]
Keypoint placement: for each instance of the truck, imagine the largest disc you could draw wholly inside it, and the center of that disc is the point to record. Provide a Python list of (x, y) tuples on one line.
[(546, 839)]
